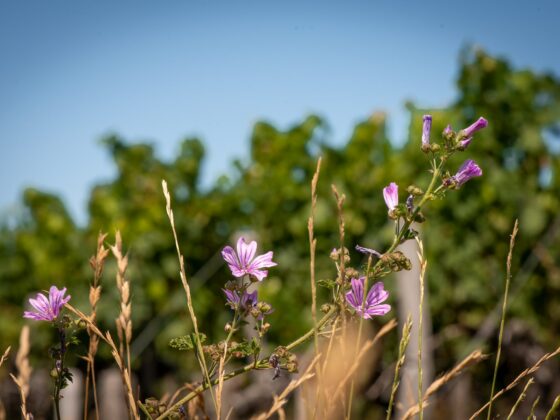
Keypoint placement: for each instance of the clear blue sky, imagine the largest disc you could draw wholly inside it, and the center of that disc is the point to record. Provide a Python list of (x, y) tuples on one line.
[(72, 71)]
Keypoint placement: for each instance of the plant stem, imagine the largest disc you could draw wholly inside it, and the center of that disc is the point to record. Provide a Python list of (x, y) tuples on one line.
[(59, 367), (503, 319)]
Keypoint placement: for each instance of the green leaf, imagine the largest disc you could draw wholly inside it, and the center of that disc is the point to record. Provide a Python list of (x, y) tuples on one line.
[(186, 342), (328, 283)]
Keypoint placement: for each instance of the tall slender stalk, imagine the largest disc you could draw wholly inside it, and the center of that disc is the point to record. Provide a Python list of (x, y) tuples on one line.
[(503, 318), (183, 275), (400, 362), (423, 264)]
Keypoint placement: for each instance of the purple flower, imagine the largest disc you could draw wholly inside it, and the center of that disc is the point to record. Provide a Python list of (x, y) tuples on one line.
[(243, 262), (474, 127), (426, 127), (391, 195), (448, 130), (370, 251), (47, 309), (372, 305), (469, 169), (243, 302)]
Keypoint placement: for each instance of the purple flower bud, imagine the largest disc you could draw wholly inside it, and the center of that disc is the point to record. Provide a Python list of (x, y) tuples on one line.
[(469, 169), (448, 130), (474, 127), (410, 203), (391, 195), (426, 127), (370, 251), (463, 144)]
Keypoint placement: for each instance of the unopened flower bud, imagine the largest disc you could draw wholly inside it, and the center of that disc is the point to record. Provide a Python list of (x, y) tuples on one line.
[(410, 203), (292, 367), (281, 351), (426, 127), (264, 307), (325, 307), (448, 133), (351, 272), (54, 373), (227, 327), (463, 144), (334, 255), (473, 128), (435, 147), (414, 190), (231, 285)]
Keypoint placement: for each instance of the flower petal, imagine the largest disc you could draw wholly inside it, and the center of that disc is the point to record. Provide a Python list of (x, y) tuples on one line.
[(264, 260), (245, 252), (376, 294)]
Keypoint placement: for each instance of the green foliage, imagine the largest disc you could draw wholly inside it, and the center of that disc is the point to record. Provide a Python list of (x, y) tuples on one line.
[(268, 197)]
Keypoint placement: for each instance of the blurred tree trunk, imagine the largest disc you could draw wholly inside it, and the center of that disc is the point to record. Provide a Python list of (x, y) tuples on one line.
[(408, 292)]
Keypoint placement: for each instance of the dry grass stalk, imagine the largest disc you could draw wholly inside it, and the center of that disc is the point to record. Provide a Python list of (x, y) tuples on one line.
[(24, 370), (553, 409), (533, 408), (403, 344), (503, 317), (5, 356), (341, 263), (124, 320), (107, 338), (312, 248), (520, 398), (220, 387), (312, 279), (356, 364), (472, 359), (97, 263), (518, 379), (423, 264), (183, 275), (126, 377), (281, 400)]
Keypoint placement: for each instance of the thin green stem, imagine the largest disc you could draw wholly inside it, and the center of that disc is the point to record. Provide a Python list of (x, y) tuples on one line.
[(400, 362), (503, 318), (420, 331)]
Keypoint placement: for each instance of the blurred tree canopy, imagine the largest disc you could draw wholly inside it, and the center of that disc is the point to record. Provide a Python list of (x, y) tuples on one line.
[(268, 198)]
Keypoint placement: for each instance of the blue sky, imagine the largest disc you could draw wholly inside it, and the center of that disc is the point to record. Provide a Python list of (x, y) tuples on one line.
[(71, 72)]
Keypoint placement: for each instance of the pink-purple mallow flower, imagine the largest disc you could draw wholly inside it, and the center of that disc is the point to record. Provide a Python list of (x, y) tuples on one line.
[(469, 169), (373, 305), (243, 262), (391, 196), (426, 128), (47, 309)]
